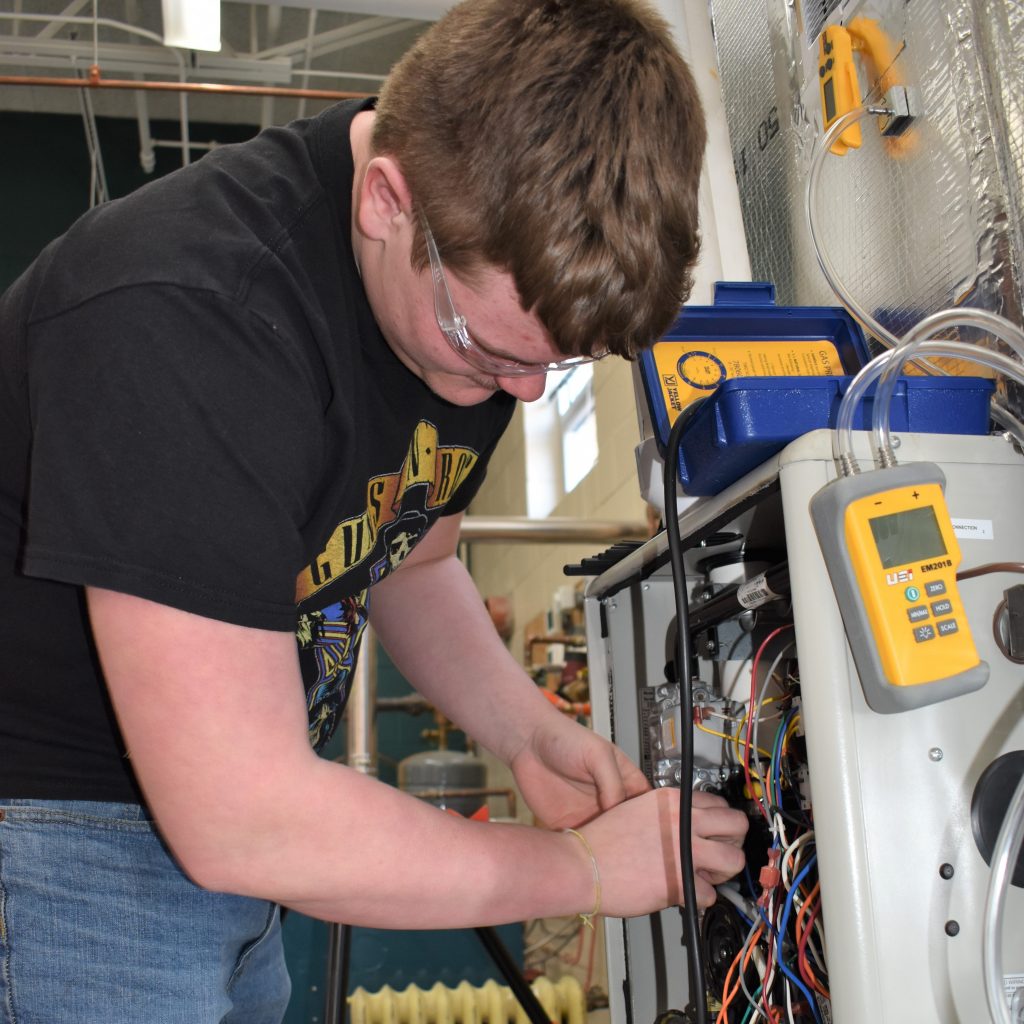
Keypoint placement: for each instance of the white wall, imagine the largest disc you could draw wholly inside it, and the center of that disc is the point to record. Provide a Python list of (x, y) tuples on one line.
[(529, 574)]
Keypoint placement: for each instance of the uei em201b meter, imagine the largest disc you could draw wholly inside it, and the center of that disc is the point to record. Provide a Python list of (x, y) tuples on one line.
[(892, 556)]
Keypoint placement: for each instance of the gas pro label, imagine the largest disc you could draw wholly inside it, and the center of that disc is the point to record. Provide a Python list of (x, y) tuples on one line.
[(691, 370)]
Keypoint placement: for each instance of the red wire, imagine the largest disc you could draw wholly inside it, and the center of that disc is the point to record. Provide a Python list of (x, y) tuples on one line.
[(810, 976), (579, 950), (765, 994)]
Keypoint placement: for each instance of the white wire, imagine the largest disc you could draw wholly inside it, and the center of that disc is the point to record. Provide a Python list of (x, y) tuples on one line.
[(1004, 859), (730, 892), (789, 1001), (769, 676), (759, 964), (793, 848)]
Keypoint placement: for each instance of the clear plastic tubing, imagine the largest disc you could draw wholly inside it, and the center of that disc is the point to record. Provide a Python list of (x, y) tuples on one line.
[(1004, 859), (842, 439), (966, 317), (824, 144)]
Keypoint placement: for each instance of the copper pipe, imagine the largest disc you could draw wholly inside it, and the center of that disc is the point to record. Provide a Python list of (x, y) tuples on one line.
[(96, 81), (555, 638), (550, 530)]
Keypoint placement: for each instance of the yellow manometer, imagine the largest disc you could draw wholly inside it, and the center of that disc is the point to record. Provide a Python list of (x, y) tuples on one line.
[(840, 90), (892, 556)]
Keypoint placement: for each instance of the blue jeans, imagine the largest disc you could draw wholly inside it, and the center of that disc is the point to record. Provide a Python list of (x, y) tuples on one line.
[(98, 925)]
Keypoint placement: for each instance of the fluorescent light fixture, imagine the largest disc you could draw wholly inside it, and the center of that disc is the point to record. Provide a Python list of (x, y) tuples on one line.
[(192, 24)]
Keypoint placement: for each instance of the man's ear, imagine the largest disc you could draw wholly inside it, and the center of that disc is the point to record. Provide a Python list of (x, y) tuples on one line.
[(385, 202)]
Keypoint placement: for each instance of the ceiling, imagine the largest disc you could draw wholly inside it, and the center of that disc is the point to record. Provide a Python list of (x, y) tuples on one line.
[(337, 45)]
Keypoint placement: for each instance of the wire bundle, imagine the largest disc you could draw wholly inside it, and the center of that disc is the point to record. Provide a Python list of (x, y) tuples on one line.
[(780, 972)]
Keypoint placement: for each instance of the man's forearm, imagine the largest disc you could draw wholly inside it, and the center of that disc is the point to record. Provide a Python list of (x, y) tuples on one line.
[(352, 849), (434, 626)]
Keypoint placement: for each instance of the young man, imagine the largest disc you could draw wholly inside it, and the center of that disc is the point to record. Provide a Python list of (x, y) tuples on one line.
[(244, 408)]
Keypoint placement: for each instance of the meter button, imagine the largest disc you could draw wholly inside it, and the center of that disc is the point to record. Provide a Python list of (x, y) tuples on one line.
[(918, 613), (912, 594), (942, 607), (935, 588), (922, 633), (947, 626)]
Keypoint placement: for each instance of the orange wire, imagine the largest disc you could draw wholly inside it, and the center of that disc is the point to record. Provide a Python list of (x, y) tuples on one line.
[(802, 936), (727, 996)]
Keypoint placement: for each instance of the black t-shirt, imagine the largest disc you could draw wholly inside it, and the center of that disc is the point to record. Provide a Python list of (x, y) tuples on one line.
[(197, 407)]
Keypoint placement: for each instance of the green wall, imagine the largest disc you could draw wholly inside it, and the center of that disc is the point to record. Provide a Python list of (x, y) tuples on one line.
[(44, 173)]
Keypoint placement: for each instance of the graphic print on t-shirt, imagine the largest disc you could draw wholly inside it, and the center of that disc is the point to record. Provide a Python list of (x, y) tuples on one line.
[(400, 507), (331, 639), (440, 469)]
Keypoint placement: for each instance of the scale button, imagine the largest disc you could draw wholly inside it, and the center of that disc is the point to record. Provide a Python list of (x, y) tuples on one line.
[(922, 633), (912, 594), (947, 626), (942, 607), (935, 588), (917, 613)]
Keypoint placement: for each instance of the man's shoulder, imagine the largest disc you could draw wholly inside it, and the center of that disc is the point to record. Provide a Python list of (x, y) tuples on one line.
[(208, 226)]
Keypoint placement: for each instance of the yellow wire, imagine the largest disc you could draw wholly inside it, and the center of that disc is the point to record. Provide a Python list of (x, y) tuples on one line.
[(739, 729), (725, 736)]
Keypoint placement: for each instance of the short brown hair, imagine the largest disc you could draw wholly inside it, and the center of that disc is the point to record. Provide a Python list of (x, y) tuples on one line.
[(561, 141)]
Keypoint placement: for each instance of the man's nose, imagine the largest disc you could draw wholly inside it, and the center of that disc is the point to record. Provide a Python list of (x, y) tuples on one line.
[(526, 389)]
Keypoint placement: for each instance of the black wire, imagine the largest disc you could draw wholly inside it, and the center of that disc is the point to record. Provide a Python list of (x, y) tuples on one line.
[(691, 925), (498, 952)]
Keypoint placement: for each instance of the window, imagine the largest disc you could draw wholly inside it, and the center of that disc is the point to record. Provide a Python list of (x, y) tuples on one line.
[(561, 438)]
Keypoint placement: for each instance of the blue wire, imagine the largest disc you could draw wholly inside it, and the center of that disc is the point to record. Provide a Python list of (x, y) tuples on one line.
[(782, 931), (777, 755)]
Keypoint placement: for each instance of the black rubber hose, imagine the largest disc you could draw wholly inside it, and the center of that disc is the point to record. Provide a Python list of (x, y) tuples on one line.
[(691, 924), (511, 973)]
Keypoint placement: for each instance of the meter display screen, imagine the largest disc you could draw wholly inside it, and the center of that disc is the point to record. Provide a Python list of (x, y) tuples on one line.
[(910, 536)]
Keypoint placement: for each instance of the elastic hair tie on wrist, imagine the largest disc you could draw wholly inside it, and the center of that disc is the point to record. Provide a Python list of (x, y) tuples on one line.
[(588, 919)]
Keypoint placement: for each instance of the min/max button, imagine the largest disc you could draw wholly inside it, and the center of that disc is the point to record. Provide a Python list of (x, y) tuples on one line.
[(918, 613)]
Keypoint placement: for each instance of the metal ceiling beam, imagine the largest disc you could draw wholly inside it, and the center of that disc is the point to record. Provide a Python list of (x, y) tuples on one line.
[(128, 58), (421, 10), (332, 40), (73, 8)]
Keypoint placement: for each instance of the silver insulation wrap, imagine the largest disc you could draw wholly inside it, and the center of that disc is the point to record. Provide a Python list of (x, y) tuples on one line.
[(914, 224)]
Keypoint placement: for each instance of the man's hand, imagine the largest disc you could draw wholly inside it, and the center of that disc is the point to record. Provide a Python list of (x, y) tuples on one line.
[(568, 774), (636, 846)]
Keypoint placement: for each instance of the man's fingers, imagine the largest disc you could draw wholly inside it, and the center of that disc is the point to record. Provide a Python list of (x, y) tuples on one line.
[(717, 861), (721, 823)]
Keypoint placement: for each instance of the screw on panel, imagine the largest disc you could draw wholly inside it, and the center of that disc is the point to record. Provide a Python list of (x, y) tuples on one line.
[(946, 871), (952, 928), (935, 754)]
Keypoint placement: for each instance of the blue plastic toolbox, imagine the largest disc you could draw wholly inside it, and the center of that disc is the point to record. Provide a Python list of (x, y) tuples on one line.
[(765, 374)]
